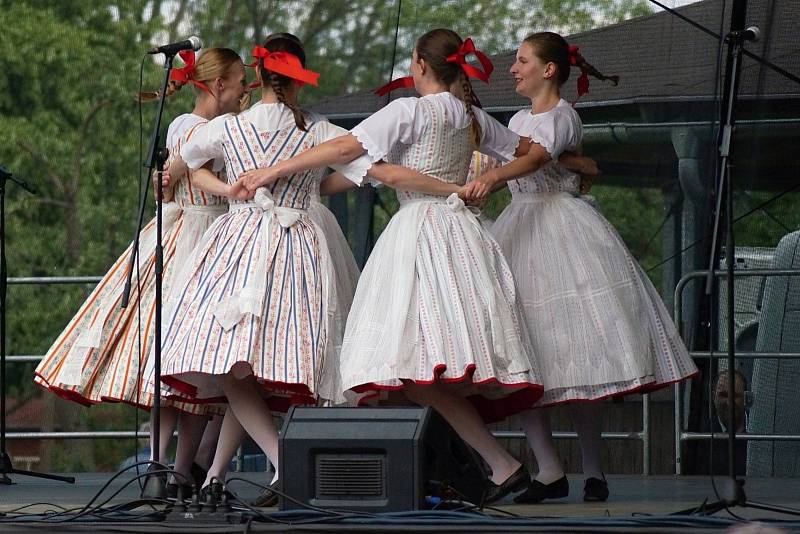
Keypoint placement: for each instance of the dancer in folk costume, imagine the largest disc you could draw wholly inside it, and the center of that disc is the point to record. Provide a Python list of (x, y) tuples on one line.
[(100, 356), (435, 312), (345, 271), (598, 325), (254, 317)]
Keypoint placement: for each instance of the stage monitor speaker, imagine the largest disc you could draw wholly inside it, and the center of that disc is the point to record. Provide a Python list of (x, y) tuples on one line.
[(375, 459)]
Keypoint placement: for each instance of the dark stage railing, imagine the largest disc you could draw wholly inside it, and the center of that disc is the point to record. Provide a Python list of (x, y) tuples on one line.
[(682, 435)]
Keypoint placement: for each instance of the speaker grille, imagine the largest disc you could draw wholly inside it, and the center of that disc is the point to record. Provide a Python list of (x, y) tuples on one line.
[(350, 476)]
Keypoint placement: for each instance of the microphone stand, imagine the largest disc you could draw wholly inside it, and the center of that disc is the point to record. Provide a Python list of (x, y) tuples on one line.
[(731, 492), (155, 487), (6, 467)]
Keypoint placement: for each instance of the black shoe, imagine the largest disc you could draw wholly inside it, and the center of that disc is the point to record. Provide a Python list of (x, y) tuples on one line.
[(268, 497), (184, 489), (198, 474), (216, 489), (595, 490), (515, 482), (537, 492)]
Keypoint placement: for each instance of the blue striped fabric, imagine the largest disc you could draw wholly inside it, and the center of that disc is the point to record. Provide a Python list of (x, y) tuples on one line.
[(284, 340)]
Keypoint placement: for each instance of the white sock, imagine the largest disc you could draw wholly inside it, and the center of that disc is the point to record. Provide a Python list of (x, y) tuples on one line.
[(536, 425), (244, 399), (190, 431), (587, 420), (231, 435), (208, 444)]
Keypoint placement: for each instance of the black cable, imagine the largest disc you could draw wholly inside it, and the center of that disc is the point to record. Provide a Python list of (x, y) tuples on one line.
[(100, 506), (138, 287), (16, 510), (783, 72), (300, 503), (671, 212), (769, 215), (88, 509), (472, 506), (394, 45), (737, 219)]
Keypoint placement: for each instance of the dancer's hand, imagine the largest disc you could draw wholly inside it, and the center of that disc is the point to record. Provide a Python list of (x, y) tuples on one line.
[(255, 178), (163, 180), (489, 179), (238, 191), (589, 168), (474, 191), (477, 202), (589, 173), (166, 179)]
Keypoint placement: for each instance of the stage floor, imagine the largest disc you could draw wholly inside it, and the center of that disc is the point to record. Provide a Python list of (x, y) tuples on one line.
[(630, 496)]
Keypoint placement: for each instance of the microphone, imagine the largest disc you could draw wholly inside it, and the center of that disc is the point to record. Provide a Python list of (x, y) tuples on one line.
[(192, 43), (5, 174), (752, 33)]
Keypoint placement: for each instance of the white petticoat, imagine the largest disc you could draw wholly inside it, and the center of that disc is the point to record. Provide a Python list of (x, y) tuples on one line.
[(436, 302)]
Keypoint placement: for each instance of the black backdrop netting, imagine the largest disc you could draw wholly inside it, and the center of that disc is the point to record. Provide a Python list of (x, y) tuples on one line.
[(71, 127)]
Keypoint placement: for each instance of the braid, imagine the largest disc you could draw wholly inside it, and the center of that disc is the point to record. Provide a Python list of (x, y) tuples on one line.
[(244, 103), (589, 69), (277, 88), (470, 99), (173, 87)]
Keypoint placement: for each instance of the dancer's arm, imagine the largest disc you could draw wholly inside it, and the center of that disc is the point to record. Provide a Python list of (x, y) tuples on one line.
[(582, 165), (529, 163), (177, 168), (522, 156), (340, 150), (531, 156), (207, 181), (343, 150), (335, 183), (476, 191), (203, 178), (405, 179), (394, 176)]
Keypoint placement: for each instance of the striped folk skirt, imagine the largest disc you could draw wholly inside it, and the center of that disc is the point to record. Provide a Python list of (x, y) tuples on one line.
[(260, 296), (100, 356)]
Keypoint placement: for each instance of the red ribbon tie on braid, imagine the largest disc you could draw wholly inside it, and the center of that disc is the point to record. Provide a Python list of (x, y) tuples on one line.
[(284, 63), (406, 82), (460, 58), (186, 73), (466, 48), (583, 79)]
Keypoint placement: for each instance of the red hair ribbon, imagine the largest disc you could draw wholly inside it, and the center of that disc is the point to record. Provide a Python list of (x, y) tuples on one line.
[(284, 63), (186, 73), (460, 58), (406, 82), (466, 48), (583, 79)]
